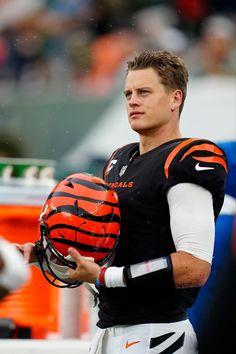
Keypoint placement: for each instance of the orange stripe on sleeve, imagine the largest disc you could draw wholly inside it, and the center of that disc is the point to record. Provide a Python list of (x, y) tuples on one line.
[(174, 152), (206, 147), (212, 159)]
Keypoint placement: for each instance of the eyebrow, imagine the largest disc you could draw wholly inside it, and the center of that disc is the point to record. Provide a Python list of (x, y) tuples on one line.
[(139, 88)]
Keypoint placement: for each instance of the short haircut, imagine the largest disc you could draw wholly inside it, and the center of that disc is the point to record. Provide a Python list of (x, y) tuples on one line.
[(170, 68)]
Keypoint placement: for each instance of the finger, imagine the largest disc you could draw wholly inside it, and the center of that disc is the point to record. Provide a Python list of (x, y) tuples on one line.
[(91, 259), (21, 249), (74, 254), (27, 251)]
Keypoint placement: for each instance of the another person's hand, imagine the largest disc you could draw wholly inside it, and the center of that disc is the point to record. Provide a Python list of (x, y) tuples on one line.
[(87, 270), (14, 271), (28, 251)]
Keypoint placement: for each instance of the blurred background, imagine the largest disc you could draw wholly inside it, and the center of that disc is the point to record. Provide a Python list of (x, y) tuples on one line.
[(62, 70)]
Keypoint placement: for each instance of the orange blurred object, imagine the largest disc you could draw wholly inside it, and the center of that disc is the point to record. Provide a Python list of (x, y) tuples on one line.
[(35, 305)]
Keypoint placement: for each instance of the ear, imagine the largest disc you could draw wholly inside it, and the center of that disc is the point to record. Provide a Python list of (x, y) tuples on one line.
[(177, 98)]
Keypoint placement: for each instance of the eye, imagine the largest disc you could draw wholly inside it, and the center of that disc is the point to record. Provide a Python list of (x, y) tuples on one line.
[(128, 94), (144, 92)]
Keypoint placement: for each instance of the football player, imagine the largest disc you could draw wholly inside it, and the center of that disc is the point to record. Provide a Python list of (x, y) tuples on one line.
[(170, 190)]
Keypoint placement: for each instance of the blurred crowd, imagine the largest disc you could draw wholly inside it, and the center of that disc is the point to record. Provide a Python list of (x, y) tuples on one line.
[(86, 42)]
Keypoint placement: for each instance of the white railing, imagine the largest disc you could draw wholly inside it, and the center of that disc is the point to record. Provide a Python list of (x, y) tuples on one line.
[(32, 346)]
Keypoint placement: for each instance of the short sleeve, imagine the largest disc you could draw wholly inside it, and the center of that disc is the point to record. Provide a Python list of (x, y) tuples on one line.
[(201, 162)]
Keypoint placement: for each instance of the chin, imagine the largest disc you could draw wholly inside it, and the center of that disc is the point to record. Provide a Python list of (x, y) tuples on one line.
[(136, 127), (140, 129)]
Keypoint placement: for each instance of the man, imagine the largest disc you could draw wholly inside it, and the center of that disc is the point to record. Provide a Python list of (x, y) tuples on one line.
[(14, 272), (170, 191)]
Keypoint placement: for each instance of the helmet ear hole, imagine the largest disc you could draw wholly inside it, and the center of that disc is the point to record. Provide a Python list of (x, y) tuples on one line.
[(70, 185), (81, 211)]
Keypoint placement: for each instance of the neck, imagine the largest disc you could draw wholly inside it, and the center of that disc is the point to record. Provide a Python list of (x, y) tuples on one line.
[(149, 142)]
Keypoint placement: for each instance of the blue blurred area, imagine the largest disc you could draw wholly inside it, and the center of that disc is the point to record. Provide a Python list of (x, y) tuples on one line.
[(199, 312), (230, 149)]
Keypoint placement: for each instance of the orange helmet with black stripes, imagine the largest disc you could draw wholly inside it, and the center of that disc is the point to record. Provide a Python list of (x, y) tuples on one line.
[(82, 211)]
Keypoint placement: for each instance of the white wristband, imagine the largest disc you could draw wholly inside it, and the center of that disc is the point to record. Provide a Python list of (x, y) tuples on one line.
[(114, 277), (15, 271)]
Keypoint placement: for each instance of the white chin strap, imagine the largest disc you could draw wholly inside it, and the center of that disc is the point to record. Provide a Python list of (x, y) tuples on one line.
[(61, 271)]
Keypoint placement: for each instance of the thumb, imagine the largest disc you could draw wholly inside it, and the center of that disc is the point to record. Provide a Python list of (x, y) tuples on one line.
[(74, 254), (91, 259), (27, 252)]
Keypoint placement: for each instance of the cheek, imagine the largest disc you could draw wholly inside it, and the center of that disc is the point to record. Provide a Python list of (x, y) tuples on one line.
[(165, 103), (160, 104), (161, 110)]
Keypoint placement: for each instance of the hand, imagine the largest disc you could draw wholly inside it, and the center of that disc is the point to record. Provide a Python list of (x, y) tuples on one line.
[(28, 251), (86, 271)]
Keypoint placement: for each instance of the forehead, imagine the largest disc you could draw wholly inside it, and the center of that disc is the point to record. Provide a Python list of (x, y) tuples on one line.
[(142, 78)]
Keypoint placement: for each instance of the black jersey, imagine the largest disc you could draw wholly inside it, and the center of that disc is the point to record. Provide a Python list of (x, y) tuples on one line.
[(142, 182)]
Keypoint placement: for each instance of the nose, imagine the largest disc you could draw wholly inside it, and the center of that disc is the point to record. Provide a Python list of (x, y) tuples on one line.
[(133, 100)]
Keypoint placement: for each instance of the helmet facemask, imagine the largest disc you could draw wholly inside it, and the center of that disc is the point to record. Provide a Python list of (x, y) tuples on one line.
[(53, 262)]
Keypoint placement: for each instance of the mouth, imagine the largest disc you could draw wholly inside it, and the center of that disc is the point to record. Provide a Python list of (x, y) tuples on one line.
[(135, 114)]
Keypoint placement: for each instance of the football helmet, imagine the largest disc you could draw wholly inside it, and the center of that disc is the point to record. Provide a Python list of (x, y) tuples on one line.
[(82, 211)]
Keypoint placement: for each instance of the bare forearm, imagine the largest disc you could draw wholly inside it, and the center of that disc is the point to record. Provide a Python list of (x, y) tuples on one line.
[(189, 271)]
